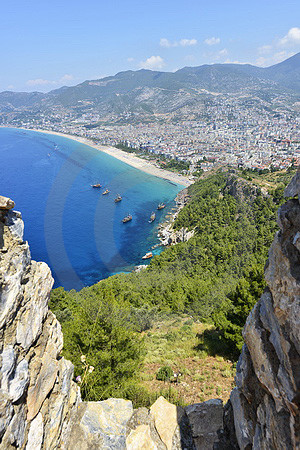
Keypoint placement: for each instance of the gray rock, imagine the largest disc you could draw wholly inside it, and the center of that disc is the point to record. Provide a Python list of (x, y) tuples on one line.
[(15, 224), (14, 264), (206, 421), (35, 435), (19, 382), (16, 430), (36, 295), (293, 188), (243, 425), (101, 425), (8, 364), (6, 412)]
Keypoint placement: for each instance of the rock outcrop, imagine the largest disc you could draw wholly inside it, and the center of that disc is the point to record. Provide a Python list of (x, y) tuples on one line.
[(266, 401), (37, 395)]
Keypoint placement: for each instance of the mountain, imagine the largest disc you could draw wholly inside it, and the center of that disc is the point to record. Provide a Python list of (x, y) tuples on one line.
[(144, 93), (286, 73)]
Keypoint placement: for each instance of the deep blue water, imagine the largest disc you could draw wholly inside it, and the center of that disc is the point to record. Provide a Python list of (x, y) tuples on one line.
[(71, 226)]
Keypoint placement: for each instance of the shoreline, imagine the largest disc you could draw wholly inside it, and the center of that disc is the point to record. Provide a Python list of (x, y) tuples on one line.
[(127, 158)]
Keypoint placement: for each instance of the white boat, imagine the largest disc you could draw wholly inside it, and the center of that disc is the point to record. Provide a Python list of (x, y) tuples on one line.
[(148, 255)]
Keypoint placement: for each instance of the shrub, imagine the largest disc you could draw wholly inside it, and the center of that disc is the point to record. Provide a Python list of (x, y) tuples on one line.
[(164, 373)]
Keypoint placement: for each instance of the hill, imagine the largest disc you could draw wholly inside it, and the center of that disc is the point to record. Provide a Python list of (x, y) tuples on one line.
[(145, 93)]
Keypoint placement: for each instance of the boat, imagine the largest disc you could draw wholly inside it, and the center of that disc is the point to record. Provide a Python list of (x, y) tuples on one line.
[(148, 255), (161, 206), (152, 217), (118, 198), (105, 192), (128, 218), (96, 185)]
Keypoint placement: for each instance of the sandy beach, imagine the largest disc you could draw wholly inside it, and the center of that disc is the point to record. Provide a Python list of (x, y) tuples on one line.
[(128, 158)]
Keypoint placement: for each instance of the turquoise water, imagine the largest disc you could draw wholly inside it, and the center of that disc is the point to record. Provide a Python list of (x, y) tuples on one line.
[(71, 226)]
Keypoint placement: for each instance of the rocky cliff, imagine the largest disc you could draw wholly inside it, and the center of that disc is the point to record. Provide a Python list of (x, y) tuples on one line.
[(37, 397), (266, 400), (40, 405)]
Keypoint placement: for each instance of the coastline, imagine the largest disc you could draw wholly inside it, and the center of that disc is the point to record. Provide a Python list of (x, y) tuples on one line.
[(127, 158)]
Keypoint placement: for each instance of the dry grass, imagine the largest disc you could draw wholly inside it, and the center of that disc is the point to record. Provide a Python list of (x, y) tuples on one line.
[(174, 343)]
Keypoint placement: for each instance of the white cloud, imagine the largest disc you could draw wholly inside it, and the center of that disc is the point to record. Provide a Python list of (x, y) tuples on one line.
[(264, 49), (39, 82), (229, 61), (165, 43), (130, 59), (264, 61), (291, 38), (187, 42), (11, 86), (67, 77), (182, 43), (223, 52), (43, 82), (212, 41), (154, 62)]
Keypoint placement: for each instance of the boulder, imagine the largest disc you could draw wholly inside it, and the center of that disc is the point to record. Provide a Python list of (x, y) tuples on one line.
[(140, 439), (6, 203), (206, 421), (101, 425), (166, 419)]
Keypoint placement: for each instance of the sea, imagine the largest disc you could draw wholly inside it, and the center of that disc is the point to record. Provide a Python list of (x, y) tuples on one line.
[(71, 226)]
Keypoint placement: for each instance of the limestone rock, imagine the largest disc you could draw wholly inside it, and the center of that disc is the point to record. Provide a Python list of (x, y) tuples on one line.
[(6, 203), (101, 425), (15, 224), (8, 364), (142, 416), (19, 382), (140, 439), (35, 435), (36, 296), (15, 434), (161, 410), (6, 412), (42, 385)]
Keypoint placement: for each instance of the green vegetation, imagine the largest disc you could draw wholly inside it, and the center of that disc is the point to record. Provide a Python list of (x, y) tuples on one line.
[(176, 166), (127, 149), (216, 277), (165, 373)]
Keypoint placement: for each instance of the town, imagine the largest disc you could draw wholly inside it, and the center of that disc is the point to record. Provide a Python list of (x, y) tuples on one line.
[(224, 131)]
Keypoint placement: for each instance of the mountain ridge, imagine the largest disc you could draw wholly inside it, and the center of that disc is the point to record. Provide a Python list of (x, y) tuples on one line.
[(146, 93)]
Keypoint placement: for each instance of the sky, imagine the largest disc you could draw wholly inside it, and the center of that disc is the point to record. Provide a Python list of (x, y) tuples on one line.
[(46, 44)]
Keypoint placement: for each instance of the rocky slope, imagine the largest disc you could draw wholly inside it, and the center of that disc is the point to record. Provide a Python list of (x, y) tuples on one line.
[(37, 395), (267, 397), (40, 405)]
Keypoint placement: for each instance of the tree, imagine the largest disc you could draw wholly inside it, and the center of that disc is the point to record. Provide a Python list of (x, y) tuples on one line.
[(231, 315), (102, 344)]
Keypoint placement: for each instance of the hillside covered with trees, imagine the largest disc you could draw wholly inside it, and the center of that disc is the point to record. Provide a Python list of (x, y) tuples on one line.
[(215, 278)]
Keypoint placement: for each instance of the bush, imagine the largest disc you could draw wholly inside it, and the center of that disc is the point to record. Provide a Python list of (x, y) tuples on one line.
[(164, 374)]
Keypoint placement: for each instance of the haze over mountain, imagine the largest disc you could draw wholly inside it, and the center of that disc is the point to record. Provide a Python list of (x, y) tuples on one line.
[(153, 92)]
